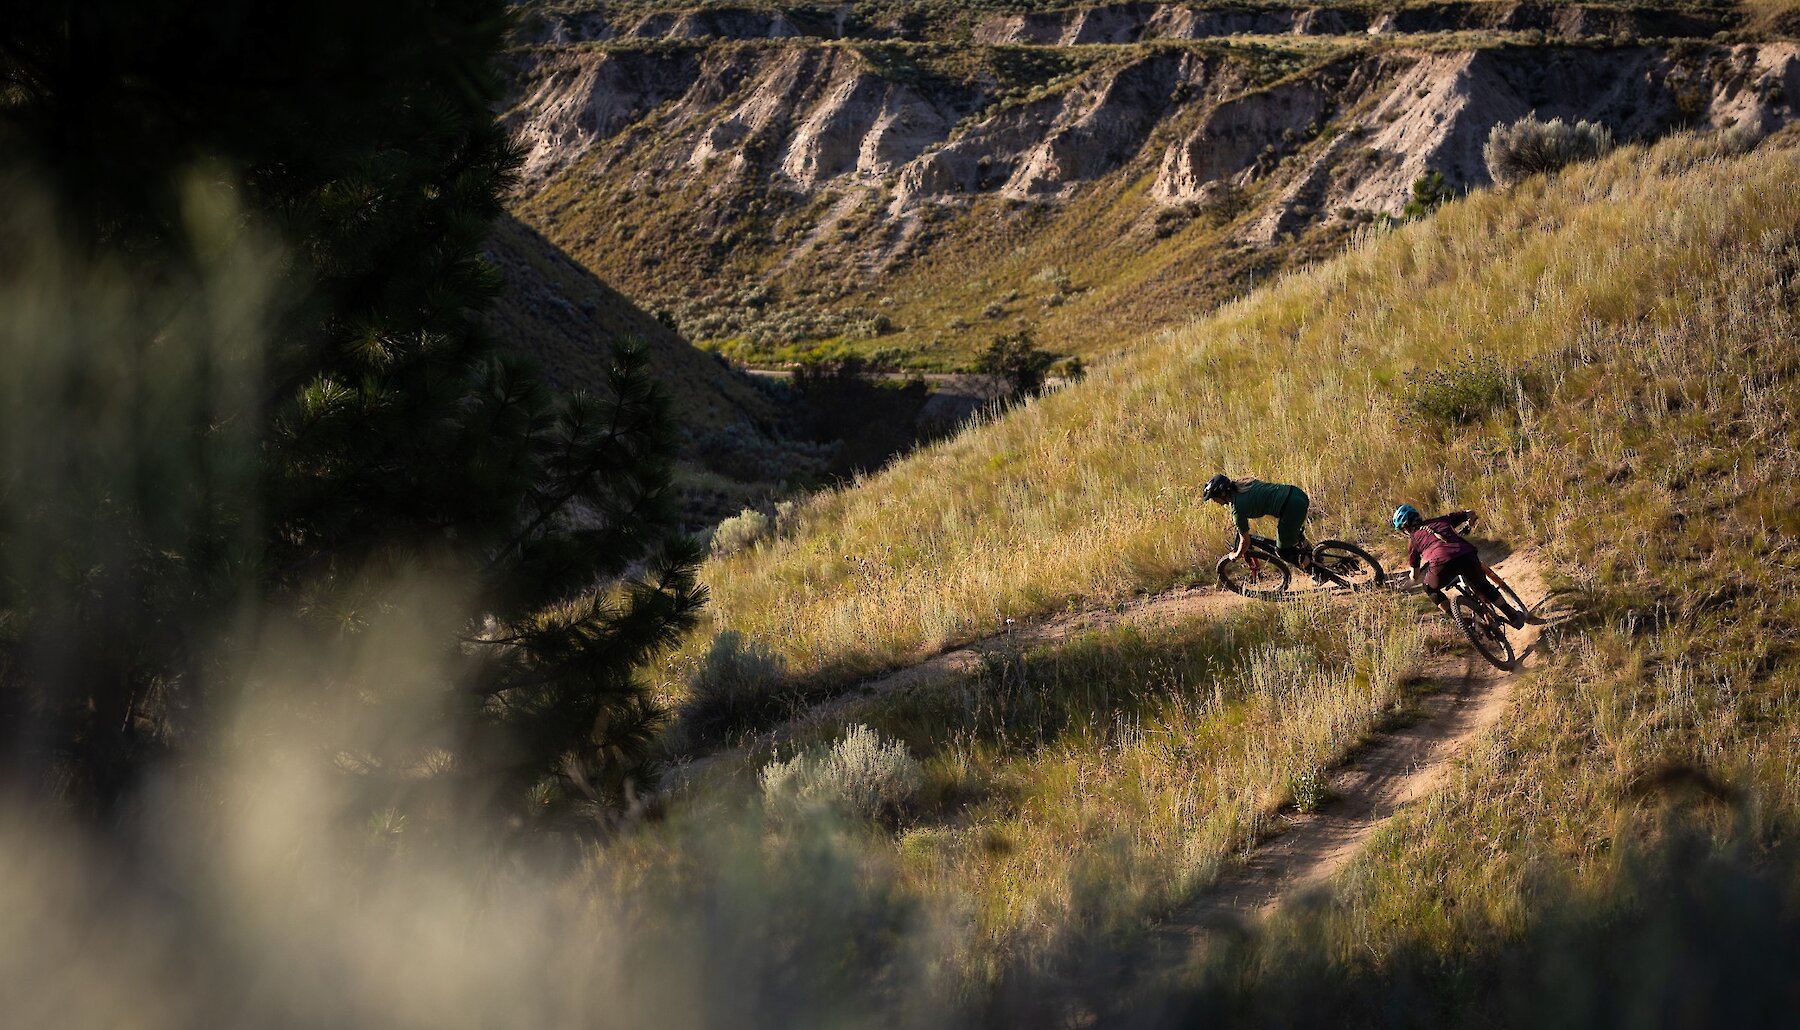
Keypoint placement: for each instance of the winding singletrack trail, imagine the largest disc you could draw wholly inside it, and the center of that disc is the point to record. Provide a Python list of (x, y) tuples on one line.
[(1463, 697), (966, 658), (1466, 697), (1302, 851)]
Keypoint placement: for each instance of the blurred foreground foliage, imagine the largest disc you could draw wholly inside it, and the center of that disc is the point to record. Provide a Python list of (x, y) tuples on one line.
[(249, 398)]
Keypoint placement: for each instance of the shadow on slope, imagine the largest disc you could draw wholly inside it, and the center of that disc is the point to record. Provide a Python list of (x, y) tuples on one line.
[(1689, 934), (745, 440), (562, 315)]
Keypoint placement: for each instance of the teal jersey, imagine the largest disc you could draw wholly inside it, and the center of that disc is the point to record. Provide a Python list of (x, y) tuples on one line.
[(1255, 499)]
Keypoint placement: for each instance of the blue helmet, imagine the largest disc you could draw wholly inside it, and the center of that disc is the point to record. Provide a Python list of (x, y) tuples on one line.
[(1405, 516)]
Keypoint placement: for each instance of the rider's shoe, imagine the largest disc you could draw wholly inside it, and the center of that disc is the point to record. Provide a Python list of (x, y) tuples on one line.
[(1515, 618)]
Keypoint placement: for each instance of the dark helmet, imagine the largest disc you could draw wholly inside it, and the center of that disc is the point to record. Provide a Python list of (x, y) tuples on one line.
[(1218, 486), (1406, 517)]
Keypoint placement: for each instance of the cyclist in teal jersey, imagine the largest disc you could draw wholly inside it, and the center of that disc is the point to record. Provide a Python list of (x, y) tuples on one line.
[(1255, 499)]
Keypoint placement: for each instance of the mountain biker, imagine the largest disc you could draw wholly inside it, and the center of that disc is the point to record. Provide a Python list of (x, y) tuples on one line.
[(1436, 547), (1254, 499)]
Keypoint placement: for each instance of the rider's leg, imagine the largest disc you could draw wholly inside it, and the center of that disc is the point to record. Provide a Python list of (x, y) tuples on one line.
[(1290, 530), (1434, 578), (1512, 615), (1441, 599), (1469, 567)]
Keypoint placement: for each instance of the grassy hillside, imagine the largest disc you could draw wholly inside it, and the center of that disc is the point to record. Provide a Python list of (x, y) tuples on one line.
[(1092, 492), (1604, 363)]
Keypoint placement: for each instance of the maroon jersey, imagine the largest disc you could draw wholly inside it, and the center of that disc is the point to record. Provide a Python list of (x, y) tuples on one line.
[(1436, 541)]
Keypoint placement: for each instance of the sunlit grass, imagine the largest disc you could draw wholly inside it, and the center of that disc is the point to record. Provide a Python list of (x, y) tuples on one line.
[(1092, 492), (1086, 788), (1642, 310)]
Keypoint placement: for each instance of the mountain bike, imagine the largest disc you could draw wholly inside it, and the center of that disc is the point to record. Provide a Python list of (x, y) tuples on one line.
[(1262, 573), (1478, 620)]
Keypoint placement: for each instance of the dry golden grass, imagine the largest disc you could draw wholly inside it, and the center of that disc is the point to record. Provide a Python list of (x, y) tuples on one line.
[(1165, 752), (1092, 492), (1668, 459), (1644, 310)]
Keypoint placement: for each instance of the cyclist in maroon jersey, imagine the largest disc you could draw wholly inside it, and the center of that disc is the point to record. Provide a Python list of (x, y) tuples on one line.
[(1438, 554)]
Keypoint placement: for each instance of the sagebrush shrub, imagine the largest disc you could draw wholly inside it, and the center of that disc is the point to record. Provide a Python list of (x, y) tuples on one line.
[(1740, 139), (1529, 147), (743, 453), (861, 775), (738, 682), (740, 531), (1458, 394)]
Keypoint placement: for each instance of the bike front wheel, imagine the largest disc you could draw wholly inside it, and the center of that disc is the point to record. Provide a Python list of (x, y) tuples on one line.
[(1348, 565), (1482, 626), (1260, 573)]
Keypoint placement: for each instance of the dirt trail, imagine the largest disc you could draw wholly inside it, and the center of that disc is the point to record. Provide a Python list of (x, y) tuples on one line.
[(1466, 696), (1396, 767), (966, 658)]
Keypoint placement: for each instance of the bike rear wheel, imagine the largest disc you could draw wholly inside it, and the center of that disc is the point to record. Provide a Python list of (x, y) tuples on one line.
[(1347, 565), (1261, 573), (1482, 626)]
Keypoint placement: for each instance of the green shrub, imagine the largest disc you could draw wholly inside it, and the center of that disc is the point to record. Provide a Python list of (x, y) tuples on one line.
[(861, 775), (1428, 194), (1458, 394), (740, 531), (738, 683), (1310, 790), (1171, 220), (1015, 361), (1530, 147)]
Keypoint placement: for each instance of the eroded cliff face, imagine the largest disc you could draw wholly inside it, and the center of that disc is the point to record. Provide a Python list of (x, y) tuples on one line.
[(1076, 25), (791, 189)]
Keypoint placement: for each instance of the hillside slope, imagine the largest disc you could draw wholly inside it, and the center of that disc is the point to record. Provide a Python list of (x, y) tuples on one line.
[(1604, 363), (1093, 491), (1092, 173), (559, 313)]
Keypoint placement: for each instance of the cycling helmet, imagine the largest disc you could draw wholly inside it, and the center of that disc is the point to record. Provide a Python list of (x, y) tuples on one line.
[(1406, 516), (1217, 486)]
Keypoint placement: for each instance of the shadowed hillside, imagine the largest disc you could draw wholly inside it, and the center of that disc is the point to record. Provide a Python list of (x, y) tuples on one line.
[(561, 314)]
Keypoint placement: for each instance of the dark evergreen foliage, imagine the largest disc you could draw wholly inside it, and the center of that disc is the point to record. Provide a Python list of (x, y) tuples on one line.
[(1015, 361), (386, 435)]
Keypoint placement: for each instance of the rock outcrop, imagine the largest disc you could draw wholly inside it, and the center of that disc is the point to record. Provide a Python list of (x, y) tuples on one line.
[(805, 172)]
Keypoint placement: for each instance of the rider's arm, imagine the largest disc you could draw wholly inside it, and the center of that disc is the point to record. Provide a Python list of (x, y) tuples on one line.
[(1243, 528), (1461, 520)]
